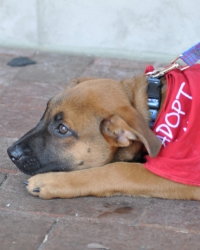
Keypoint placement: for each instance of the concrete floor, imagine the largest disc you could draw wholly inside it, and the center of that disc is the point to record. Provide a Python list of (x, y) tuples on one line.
[(118, 223)]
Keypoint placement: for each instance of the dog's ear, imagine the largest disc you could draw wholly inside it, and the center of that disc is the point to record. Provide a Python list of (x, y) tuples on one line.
[(76, 81), (71, 84), (119, 134)]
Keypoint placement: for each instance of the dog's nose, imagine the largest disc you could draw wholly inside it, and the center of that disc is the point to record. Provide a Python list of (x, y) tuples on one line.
[(15, 152)]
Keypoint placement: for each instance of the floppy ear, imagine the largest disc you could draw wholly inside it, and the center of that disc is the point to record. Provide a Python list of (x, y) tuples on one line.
[(71, 84), (119, 134), (76, 81)]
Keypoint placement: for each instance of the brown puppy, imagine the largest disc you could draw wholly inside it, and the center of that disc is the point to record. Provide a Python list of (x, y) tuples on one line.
[(96, 129)]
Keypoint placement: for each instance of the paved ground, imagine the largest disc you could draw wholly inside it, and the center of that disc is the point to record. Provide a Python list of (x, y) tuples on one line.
[(118, 223)]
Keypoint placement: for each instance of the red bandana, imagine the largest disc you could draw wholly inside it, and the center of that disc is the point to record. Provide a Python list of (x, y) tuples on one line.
[(178, 127)]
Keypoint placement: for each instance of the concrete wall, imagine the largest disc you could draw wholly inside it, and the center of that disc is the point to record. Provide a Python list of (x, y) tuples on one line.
[(142, 29)]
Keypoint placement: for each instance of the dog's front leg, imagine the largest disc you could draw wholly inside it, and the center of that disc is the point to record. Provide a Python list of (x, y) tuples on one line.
[(112, 179)]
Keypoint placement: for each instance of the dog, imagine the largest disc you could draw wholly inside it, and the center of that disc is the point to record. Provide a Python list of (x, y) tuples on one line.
[(92, 140)]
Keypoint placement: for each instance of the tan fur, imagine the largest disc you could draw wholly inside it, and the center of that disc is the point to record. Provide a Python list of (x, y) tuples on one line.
[(111, 121)]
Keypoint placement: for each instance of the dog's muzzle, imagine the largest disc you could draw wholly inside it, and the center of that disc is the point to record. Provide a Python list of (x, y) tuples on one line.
[(24, 160)]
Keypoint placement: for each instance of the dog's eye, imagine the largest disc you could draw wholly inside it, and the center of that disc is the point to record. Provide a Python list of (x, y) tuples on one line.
[(63, 129)]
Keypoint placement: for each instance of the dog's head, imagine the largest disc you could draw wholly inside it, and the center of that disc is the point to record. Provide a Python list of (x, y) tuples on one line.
[(88, 125)]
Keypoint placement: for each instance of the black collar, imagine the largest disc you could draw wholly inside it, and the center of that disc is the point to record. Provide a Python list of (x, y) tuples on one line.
[(154, 98)]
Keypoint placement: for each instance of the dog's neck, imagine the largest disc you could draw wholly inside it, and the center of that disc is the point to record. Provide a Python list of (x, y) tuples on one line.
[(138, 95), (136, 90)]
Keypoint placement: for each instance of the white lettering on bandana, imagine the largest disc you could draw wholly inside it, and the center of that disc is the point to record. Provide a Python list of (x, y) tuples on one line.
[(164, 130)]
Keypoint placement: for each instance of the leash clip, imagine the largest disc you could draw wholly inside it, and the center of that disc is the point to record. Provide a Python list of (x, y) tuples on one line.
[(189, 57), (162, 71)]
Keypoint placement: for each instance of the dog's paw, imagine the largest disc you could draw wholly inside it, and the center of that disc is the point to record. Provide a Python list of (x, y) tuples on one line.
[(43, 186)]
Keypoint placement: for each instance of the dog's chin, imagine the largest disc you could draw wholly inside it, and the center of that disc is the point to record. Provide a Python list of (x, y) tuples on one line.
[(39, 169), (29, 167), (46, 170)]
